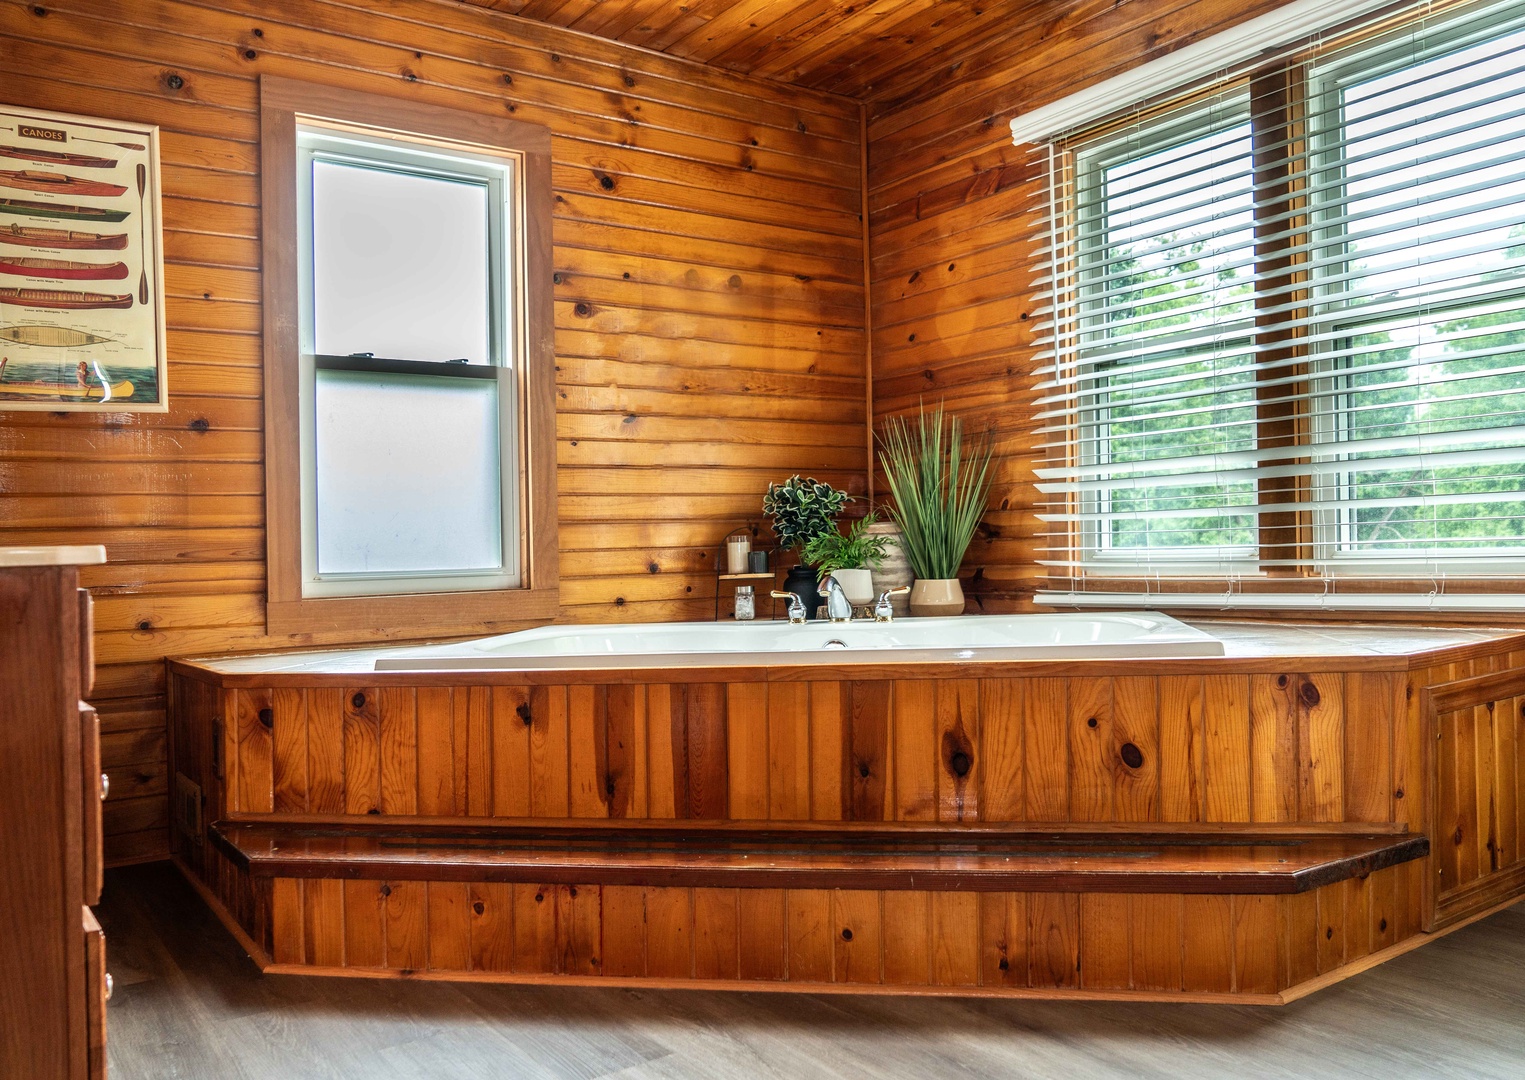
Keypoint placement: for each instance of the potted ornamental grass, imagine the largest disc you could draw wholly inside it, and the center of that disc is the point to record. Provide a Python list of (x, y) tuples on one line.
[(940, 487), (850, 558), (800, 511)]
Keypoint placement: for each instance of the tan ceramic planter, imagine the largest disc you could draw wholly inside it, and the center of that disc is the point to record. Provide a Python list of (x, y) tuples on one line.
[(937, 597)]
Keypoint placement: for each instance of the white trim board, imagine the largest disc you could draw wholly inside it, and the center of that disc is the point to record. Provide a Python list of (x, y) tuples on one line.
[(1213, 55)]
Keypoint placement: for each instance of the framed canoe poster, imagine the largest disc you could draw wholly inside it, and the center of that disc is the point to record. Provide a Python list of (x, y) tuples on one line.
[(81, 268)]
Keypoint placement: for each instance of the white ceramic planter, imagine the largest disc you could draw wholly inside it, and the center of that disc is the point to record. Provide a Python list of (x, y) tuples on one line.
[(857, 586)]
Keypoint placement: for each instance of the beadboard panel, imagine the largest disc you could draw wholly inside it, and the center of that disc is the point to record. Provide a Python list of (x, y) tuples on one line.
[(1154, 945), (1245, 748), (709, 316)]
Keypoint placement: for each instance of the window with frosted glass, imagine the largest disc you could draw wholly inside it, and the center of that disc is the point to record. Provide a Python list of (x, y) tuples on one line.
[(407, 471), (409, 386), (400, 264)]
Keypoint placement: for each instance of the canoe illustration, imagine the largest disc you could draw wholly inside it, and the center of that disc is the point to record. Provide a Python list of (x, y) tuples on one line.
[(57, 157), (49, 337), (59, 183), (63, 269), (116, 392), (60, 210), (82, 389), (62, 239), (62, 300)]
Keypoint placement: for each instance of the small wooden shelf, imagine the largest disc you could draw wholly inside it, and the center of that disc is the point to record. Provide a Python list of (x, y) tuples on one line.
[(722, 579)]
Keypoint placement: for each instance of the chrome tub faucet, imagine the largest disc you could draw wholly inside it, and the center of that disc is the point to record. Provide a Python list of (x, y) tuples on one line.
[(839, 609)]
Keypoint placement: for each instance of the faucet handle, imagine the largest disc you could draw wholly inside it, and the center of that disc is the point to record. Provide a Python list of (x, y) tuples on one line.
[(883, 611), (796, 605)]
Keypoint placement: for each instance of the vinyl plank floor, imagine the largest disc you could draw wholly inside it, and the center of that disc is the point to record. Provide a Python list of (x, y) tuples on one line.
[(189, 1005)]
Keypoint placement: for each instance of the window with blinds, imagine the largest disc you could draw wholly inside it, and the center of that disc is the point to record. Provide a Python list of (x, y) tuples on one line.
[(1289, 323)]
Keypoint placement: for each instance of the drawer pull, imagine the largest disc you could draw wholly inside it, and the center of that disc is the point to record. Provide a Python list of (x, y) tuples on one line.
[(110, 985), (105, 786)]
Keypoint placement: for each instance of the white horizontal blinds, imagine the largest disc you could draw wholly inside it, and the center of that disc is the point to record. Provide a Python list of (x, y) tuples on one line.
[(1425, 301), (1165, 337), (1289, 319)]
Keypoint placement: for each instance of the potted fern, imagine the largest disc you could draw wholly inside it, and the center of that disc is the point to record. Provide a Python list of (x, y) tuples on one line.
[(851, 559), (940, 490), (802, 510)]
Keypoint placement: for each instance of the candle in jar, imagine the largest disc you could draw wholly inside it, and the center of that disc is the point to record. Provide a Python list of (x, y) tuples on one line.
[(736, 549)]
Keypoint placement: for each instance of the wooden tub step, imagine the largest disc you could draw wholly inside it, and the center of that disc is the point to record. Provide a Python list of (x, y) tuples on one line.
[(1194, 859)]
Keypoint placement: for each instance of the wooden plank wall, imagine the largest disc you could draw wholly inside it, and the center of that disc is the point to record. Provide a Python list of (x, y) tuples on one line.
[(957, 215), (710, 324)]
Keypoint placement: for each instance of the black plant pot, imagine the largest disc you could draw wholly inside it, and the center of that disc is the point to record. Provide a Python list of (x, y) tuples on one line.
[(801, 581)]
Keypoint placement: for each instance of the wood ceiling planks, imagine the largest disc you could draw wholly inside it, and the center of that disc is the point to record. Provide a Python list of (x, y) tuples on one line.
[(874, 50)]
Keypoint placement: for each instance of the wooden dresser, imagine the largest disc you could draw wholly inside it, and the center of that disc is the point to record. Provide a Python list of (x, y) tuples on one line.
[(53, 981)]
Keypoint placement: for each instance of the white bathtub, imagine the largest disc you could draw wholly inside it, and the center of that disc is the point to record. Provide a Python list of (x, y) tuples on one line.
[(1068, 636)]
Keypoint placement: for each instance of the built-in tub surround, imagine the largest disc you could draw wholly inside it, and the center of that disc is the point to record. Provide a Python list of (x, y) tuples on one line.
[(531, 823)]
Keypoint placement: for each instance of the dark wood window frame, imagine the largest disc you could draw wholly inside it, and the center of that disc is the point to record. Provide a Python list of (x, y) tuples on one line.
[(284, 104)]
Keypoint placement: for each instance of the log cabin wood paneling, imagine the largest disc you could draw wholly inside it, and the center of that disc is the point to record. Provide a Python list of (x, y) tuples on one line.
[(709, 325), (709, 328), (956, 214)]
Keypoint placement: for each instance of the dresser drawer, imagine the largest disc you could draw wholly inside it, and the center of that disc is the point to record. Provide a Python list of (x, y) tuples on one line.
[(93, 784), (97, 990)]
